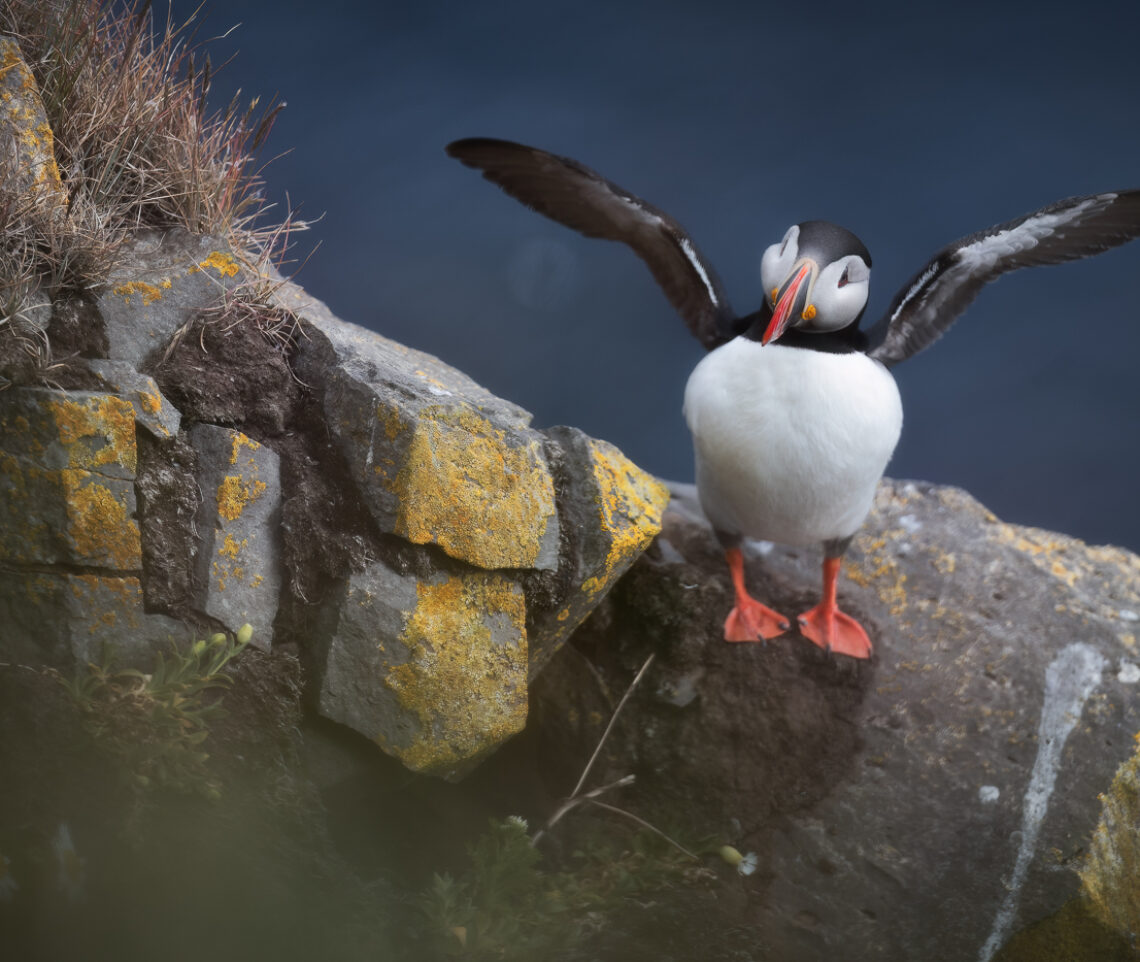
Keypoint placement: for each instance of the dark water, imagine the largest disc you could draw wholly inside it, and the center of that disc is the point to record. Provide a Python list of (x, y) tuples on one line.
[(911, 127)]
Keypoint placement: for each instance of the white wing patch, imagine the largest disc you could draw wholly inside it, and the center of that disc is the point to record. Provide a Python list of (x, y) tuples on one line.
[(984, 253), (916, 288), (699, 268)]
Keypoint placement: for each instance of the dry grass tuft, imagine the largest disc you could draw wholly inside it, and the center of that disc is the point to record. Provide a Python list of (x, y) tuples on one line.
[(137, 146)]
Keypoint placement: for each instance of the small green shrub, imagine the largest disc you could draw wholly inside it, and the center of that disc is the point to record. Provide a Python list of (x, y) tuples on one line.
[(507, 907), (154, 724)]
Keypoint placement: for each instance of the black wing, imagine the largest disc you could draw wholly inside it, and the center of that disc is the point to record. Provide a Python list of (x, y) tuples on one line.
[(572, 194), (1067, 230)]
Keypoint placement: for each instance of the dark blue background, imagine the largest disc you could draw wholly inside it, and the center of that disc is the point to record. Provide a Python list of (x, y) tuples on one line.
[(909, 124)]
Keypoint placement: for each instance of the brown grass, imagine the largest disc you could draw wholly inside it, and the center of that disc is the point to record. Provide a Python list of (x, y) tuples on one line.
[(137, 145)]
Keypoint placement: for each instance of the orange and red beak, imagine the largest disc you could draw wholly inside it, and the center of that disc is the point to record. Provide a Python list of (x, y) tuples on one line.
[(786, 303)]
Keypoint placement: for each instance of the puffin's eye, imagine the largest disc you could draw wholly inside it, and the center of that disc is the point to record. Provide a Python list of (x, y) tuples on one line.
[(843, 281)]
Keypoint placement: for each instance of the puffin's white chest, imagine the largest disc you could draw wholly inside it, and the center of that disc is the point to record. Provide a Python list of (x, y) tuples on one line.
[(790, 443)]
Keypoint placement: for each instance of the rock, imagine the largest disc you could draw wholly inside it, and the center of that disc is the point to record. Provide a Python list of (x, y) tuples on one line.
[(160, 282), (437, 459), (29, 170), (68, 531), (1111, 873), (67, 463), (925, 805), (152, 411), (238, 574), (285, 459), (433, 670), (69, 620), (611, 511)]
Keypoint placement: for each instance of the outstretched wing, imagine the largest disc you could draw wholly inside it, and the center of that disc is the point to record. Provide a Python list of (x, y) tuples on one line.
[(572, 194), (1069, 229)]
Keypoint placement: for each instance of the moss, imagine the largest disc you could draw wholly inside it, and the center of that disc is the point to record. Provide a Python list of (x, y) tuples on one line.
[(465, 487), (1073, 934), (460, 670)]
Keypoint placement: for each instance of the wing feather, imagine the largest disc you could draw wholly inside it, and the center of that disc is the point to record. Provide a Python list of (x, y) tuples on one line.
[(934, 298), (576, 196)]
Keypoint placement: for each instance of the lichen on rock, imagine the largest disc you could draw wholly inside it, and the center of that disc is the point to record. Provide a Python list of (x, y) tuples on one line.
[(433, 670), (1111, 873)]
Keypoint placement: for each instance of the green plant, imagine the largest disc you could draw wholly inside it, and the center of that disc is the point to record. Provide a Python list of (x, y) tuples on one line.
[(507, 907), (154, 724)]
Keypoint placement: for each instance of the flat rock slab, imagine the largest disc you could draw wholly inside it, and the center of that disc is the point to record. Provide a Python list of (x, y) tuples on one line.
[(160, 282), (924, 805), (70, 620), (153, 412), (611, 511), (437, 458), (238, 573), (67, 466), (434, 670)]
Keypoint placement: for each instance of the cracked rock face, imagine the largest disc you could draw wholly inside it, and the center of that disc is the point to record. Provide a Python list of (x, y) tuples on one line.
[(924, 805), (423, 547)]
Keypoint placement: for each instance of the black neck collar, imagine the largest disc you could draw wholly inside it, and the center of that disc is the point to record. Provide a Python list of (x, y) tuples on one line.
[(846, 340)]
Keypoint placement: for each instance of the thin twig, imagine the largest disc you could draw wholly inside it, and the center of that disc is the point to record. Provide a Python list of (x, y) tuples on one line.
[(574, 801), (642, 822), (576, 798), (613, 718)]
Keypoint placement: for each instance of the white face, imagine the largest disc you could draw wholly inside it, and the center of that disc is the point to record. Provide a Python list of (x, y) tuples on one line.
[(837, 293), (777, 263)]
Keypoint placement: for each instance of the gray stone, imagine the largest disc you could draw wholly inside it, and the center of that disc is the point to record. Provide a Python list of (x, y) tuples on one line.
[(61, 430), (610, 512), (69, 620), (29, 171), (152, 411), (160, 282), (923, 805), (238, 566), (67, 466), (437, 458), (432, 669)]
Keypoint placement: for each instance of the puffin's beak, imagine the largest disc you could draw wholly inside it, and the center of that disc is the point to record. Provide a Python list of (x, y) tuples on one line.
[(782, 313)]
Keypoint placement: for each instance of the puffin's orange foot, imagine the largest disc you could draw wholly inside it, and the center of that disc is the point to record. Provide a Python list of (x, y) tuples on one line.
[(834, 631), (752, 621)]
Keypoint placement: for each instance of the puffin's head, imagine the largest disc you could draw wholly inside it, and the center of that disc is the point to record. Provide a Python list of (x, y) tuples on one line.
[(816, 279)]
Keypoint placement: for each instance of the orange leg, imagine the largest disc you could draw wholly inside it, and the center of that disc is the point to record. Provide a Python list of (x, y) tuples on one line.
[(749, 620), (829, 627)]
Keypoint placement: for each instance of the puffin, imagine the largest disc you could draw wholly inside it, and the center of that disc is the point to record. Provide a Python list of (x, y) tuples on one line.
[(793, 412)]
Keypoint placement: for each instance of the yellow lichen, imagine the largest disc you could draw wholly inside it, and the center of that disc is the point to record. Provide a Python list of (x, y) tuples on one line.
[(1112, 867), (630, 504), (234, 493), (98, 523), (223, 263), (150, 402), (239, 441), (149, 292), (460, 670), (96, 431), (879, 570), (467, 488), (231, 547)]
